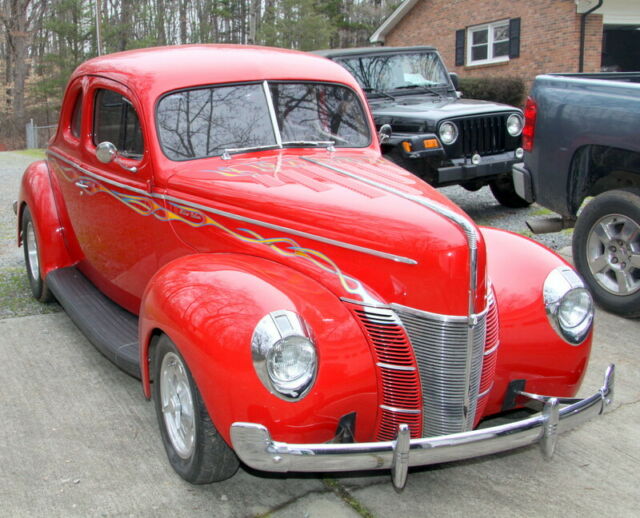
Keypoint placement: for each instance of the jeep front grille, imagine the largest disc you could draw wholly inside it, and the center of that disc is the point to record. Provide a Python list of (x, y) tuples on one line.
[(483, 135)]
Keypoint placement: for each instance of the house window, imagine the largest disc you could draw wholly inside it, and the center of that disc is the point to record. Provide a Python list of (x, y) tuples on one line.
[(493, 42), (488, 43)]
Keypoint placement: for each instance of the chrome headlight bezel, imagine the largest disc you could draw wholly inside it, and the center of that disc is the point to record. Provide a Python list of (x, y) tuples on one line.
[(448, 133), (515, 124), (564, 291), (277, 334)]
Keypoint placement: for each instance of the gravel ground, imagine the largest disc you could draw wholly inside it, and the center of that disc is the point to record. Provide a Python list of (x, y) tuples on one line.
[(15, 297)]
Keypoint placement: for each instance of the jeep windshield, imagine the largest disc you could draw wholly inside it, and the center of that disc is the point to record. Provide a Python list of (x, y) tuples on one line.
[(229, 119), (404, 72)]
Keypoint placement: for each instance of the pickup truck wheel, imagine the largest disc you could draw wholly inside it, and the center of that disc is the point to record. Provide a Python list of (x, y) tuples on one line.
[(195, 449), (32, 259), (504, 191), (606, 250)]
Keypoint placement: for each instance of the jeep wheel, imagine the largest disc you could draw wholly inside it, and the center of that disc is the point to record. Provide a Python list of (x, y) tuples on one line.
[(39, 288), (195, 449), (504, 191), (606, 250)]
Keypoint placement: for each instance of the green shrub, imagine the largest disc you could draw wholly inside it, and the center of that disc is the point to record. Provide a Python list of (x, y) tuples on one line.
[(507, 90)]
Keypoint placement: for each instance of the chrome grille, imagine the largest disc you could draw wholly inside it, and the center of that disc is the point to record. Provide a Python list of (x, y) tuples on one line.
[(440, 344)]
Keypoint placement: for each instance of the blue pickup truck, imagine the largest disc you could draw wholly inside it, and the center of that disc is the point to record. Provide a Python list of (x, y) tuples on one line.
[(582, 142)]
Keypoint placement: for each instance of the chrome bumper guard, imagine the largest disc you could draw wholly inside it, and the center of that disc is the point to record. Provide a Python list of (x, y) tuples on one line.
[(253, 443)]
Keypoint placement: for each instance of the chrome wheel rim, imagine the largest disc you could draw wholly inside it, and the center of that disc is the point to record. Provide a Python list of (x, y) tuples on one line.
[(177, 405), (32, 252), (613, 254)]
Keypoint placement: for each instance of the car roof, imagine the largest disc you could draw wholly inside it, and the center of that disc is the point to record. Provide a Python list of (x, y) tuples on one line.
[(153, 71), (358, 51)]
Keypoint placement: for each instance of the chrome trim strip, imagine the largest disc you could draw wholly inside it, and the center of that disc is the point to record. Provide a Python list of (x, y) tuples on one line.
[(333, 242), (438, 316), (396, 410), (492, 350), (483, 394), (393, 367), (253, 443), (467, 228), (97, 176), (272, 113)]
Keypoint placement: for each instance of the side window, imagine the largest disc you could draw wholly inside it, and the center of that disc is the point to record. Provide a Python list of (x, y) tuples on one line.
[(117, 122), (76, 117)]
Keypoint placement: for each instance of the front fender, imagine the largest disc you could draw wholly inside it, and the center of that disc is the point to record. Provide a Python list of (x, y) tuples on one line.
[(36, 192), (530, 349), (209, 305)]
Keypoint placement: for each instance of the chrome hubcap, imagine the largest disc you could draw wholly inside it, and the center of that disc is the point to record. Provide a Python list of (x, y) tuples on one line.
[(613, 254), (177, 405), (32, 252)]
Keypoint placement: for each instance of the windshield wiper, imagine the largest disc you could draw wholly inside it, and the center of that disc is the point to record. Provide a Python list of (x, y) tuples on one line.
[(226, 154), (329, 144), (421, 87), (369, 90)]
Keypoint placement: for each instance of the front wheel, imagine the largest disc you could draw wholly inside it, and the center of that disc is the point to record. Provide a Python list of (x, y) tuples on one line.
[(195, 449), (38, 286), (504, 191), (606, 250)]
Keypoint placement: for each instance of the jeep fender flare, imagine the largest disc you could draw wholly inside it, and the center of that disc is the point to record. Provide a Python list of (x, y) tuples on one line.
[(210, 304), (530, 348), (36, 192)]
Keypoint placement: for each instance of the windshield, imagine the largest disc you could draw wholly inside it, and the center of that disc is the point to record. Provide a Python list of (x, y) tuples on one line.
[(220, 120), (396, 71)]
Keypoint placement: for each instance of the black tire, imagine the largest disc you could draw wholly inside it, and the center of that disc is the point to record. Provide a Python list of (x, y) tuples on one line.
[(205, 458), (30, 240), (606, 250), (504, 191)]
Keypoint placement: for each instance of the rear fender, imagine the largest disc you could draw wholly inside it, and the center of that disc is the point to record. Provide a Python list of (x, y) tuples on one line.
[(36, 192), (210, 304), (530, 349)]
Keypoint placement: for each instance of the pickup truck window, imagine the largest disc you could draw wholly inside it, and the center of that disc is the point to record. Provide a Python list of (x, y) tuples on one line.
[(217, 120), (396, 71), (116, 121)]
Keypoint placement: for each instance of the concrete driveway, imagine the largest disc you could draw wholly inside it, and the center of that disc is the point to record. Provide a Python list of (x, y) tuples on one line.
[(77, 438)]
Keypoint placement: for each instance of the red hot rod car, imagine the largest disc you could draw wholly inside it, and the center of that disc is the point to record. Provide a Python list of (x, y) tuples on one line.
[(219, 221)]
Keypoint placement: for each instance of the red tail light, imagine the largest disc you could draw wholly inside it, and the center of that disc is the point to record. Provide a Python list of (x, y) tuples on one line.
[(530, 113)]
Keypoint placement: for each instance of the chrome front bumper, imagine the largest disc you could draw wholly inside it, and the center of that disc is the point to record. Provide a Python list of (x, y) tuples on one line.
[(253, 444)]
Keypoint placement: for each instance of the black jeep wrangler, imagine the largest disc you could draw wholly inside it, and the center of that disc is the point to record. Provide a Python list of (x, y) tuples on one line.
[(435, 134)]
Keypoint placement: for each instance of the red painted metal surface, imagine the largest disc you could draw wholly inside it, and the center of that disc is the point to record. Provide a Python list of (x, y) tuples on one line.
[(203, 249)]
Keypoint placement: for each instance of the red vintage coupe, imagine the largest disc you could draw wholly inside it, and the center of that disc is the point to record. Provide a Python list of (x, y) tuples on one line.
[(218, 220)]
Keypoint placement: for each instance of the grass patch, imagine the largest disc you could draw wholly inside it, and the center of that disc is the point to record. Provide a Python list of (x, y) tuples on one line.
[(541, 211), (15, 296), (33, 153), (339, 490)]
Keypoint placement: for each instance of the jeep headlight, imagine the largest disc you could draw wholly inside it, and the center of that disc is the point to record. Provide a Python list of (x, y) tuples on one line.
[(568, 304), (448, 133), (514, 124), (284, 356)]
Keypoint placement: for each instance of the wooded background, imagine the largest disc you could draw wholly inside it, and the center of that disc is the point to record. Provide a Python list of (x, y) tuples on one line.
[(42, 41)]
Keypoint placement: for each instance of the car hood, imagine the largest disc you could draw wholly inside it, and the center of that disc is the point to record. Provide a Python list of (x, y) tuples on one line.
[(341, 218), (433, 108)]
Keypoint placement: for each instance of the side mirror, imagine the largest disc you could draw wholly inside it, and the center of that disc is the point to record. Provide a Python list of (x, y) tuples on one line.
[(455, 80), (385, 133), (107, 152)]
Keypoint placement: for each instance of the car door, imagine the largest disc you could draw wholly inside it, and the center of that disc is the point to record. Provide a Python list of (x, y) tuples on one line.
[(109, 204)]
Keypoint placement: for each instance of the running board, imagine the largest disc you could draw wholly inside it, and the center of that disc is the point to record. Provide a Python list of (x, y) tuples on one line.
[(111, 329)]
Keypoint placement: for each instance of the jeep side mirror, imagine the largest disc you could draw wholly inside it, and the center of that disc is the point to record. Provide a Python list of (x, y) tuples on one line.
[(385, 133), (455, 80)]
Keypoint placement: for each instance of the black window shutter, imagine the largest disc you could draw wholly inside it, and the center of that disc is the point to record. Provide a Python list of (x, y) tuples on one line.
[(514, 38), (460, 47)]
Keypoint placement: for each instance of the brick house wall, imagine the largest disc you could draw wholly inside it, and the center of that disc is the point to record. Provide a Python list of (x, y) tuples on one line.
[(549, 38)]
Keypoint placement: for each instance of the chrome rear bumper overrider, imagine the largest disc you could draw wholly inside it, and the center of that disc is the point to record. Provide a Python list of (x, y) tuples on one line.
[(253, 444)]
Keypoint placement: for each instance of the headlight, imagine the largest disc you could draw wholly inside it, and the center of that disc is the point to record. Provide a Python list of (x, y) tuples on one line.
[(514, 124), (448, 133), (568, 304), (284, 355)]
